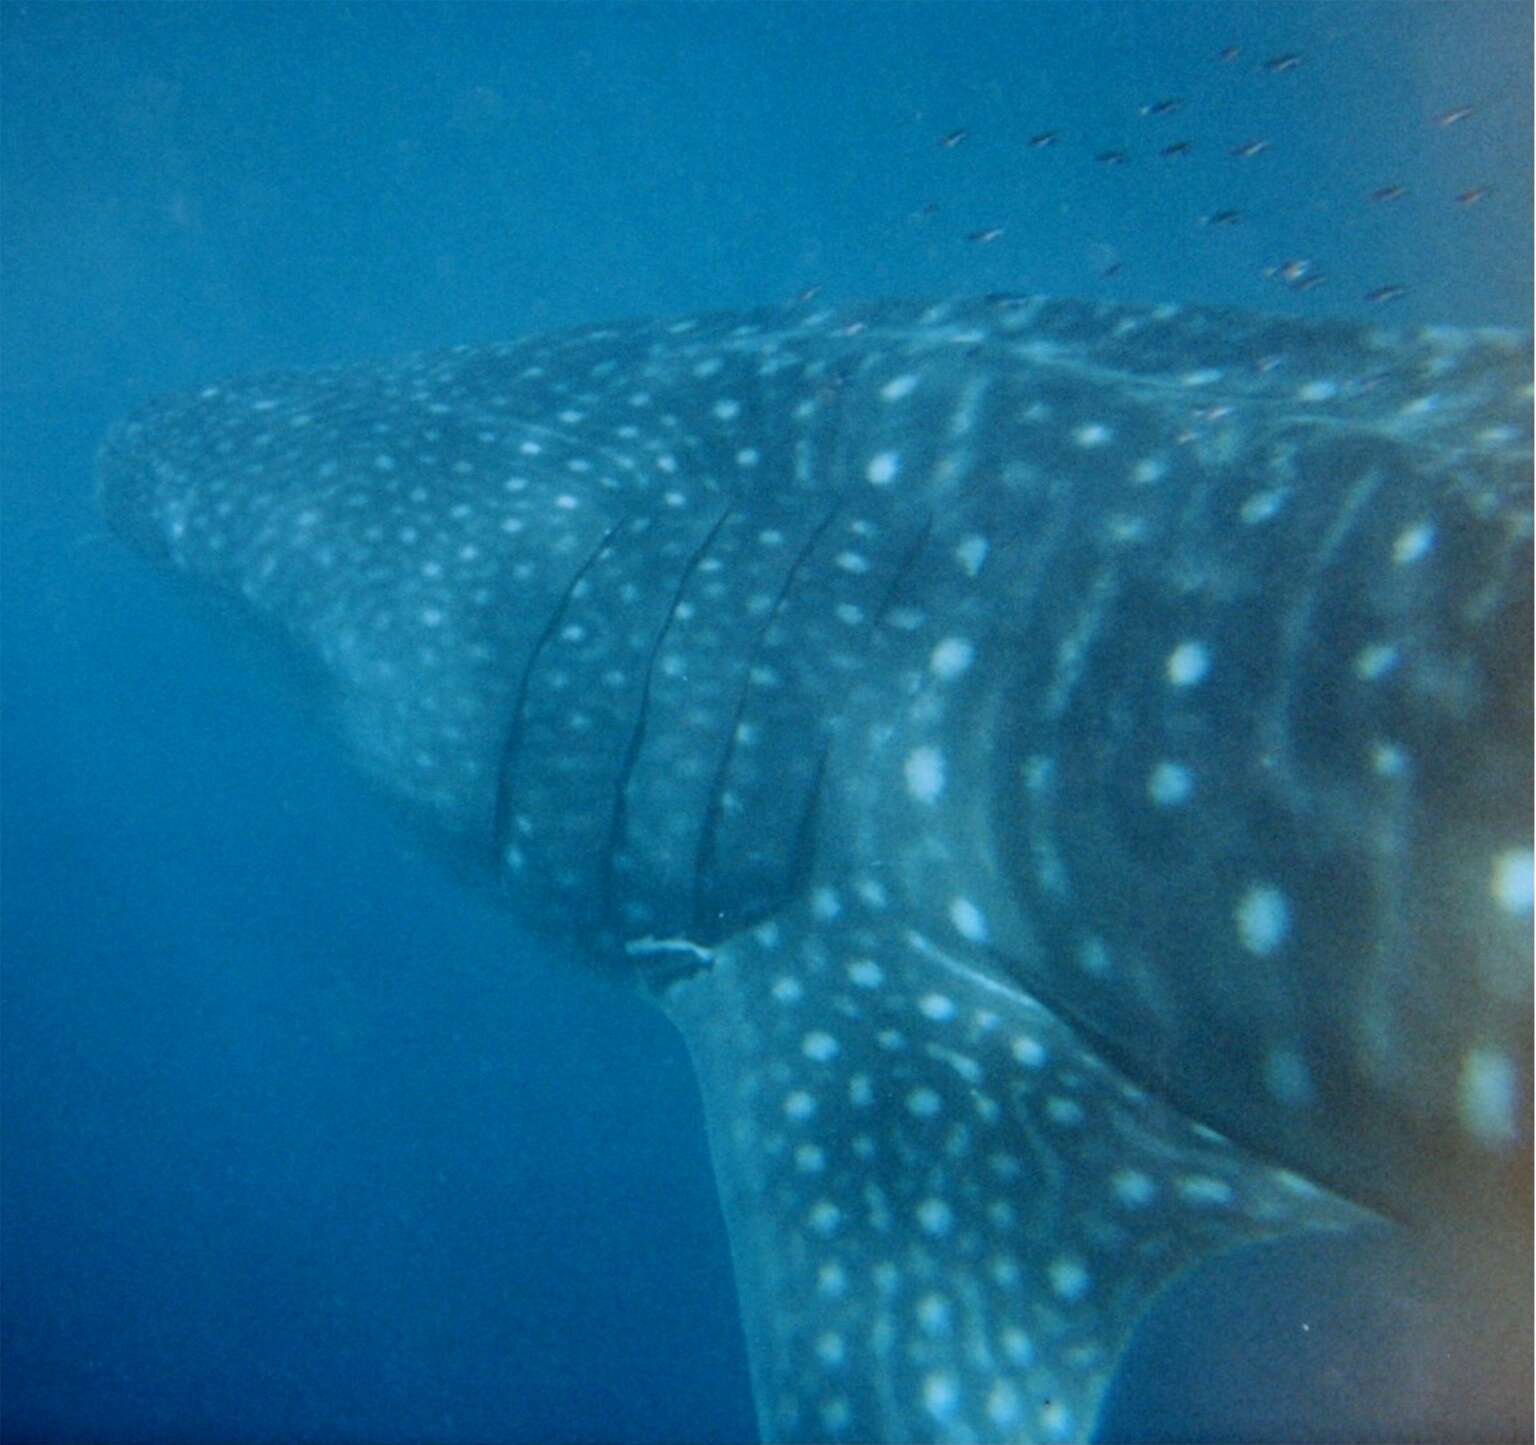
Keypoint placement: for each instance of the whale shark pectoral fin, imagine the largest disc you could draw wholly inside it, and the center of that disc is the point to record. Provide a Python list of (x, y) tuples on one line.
[(947, 1212)]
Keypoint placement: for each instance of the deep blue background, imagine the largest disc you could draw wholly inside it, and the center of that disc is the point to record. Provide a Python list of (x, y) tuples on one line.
[(298, 1142)]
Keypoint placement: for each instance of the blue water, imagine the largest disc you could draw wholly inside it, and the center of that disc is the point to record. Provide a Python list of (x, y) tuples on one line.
[(298, 1142)]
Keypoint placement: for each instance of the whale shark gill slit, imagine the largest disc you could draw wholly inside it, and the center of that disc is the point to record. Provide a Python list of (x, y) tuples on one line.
[(1065, 769)]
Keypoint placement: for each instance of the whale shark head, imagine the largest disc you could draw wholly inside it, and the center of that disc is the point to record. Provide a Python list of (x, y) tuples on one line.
[(1065, 769)]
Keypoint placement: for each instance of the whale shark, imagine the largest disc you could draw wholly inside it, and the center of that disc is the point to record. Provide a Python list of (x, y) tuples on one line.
[(1064, 767)]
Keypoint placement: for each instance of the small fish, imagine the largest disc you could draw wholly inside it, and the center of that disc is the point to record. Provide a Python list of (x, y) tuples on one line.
[(1308, 282), (1290, 271), (1386, 293), (1043, 139), (1249, 149), (1389, 193), (1452, 117), (1229, 54), (809, 294), (950, 141), (1106, 259), (1279, 64), (1161, 107), (1472, 197), (1219, 412), (924, 212), (991, 233), (1222, 218), (1112, 158), (1178, 148)]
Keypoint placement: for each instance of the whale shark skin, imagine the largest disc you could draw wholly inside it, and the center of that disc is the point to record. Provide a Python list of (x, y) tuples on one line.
[(1064, 767)]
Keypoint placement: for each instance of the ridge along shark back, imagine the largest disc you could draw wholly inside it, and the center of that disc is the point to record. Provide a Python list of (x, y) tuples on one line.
[(1065, 769)]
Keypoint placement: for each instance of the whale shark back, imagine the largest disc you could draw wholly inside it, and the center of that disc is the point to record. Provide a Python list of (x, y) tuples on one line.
[(1065, 768)]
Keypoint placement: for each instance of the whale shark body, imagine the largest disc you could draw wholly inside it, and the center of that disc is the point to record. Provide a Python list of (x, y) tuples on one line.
[(1065, 769)]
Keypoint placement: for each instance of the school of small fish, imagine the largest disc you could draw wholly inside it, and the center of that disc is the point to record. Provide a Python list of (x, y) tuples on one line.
[(1155, 145)]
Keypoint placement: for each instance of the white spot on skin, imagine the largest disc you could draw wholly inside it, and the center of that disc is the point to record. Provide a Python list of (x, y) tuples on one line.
[(810, 1159), (1056, 1420), (1486, 1097), (899, 387), (1094, 434), (1413, 544), (1375, 661), (1170, 784), (819, 1046), (971, 554), (1202, 1189), (941, 1394), (936, 1006), (1017, 1345), (970, 922), (951, 658), (872, 891), (1261, 506), (1003, 1404), (1028, 1051), (861, 1093), (788, 990), (933, 1314), (1187, 664), (1069, 1278), (935, 1216), (924, 773), (866, 973), (829, 1348), (825, 904), (831, 1280), (883, 468), (1263, 919), (727, 410), (1133, 1188), (835, 1414), (799, 1105), (1148, 471), (924, 1103), (825, 1216), (1005, 1271), (1388, 760), (1066, 1112), (1511, 883), (1318, 391)]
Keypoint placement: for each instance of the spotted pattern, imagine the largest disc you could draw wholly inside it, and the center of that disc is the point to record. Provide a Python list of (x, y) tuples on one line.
[(973, 1255), (885, 688)]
